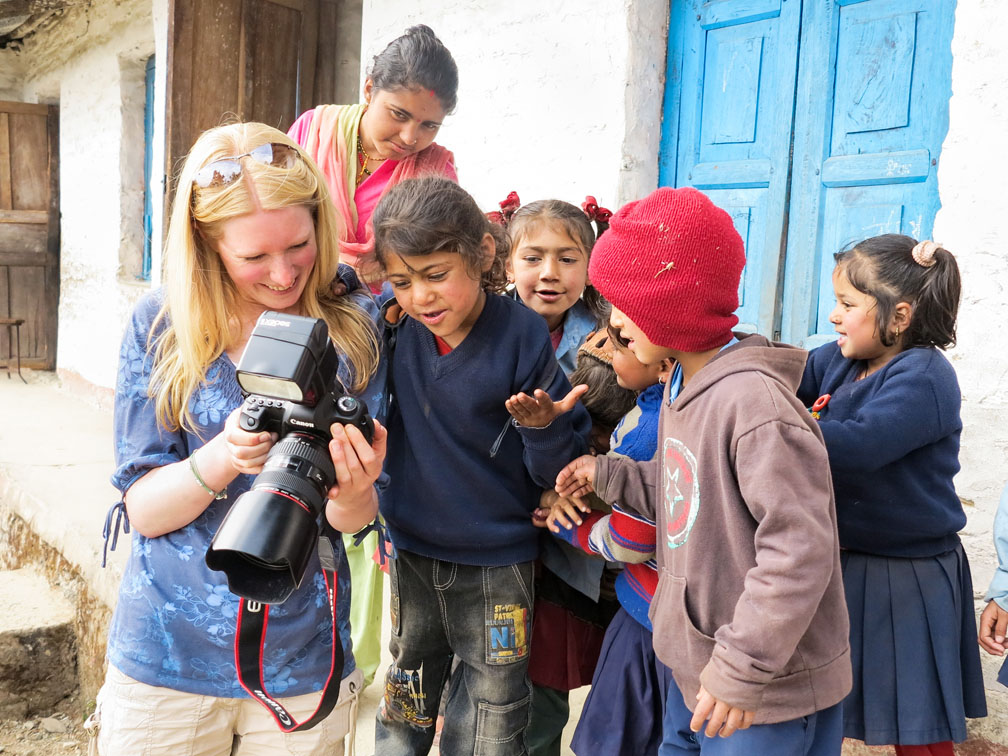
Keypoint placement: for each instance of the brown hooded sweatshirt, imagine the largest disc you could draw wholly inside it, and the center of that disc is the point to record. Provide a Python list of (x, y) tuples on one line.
[(750, 598)]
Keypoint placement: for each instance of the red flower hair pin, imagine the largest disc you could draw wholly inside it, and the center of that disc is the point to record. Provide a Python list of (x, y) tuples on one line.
[(594, 211), (508, 205)]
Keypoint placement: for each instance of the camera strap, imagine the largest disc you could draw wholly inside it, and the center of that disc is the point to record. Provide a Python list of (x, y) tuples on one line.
[(250, 639)]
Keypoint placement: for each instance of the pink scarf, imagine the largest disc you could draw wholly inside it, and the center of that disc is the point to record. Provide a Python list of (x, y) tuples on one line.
[(329, 134)]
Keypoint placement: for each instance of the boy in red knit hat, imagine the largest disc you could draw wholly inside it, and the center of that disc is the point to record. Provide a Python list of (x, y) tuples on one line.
[(749, 612)]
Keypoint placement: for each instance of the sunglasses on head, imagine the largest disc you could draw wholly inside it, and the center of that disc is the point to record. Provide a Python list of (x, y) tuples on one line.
[(227, 170)]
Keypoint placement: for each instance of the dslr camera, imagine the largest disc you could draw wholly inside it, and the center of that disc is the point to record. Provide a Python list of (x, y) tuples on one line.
[(267, 537)]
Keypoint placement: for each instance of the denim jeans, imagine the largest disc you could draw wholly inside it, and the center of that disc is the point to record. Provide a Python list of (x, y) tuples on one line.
[(482, 617)]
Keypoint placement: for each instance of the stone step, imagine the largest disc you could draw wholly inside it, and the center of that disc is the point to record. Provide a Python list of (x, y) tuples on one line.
[(38, 649)]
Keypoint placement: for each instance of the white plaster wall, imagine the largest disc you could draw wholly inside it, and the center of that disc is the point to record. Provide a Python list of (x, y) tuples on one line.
[(974, 161), (555, 100), (91, 63)]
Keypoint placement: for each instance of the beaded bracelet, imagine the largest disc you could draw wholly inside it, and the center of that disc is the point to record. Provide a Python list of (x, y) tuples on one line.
[(218, 495)]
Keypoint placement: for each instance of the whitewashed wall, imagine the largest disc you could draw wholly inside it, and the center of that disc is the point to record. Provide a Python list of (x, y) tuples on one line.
[(970, 223), (92, 64), (558, 99)]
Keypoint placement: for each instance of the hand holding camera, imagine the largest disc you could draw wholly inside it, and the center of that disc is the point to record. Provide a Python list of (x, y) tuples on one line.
[(328, 448), (247, 449)]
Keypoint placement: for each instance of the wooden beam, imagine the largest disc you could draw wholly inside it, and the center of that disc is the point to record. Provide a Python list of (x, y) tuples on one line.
[(6, 201), (26, 108), (24, 216)]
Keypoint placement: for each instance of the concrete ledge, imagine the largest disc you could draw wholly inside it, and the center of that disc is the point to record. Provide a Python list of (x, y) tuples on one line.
[(38, 648), (56, 456)]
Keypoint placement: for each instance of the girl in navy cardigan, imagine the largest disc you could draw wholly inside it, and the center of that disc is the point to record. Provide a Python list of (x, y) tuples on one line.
[(887, 402), (482, 419)]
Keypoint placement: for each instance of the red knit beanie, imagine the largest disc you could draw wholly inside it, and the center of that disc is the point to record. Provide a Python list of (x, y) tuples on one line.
[(672, 262)]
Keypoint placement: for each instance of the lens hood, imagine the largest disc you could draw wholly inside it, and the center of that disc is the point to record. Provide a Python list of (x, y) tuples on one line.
[(263, 545)]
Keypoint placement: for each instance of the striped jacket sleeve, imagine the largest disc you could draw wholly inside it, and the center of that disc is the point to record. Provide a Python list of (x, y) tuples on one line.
[(621, 536)]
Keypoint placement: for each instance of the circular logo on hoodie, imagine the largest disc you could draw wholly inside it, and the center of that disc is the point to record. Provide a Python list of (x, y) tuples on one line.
[(681, 492)]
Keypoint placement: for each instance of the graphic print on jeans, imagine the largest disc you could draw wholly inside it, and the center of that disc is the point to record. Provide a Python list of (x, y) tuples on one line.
[(404, 692), (507, 633), (681, 491)]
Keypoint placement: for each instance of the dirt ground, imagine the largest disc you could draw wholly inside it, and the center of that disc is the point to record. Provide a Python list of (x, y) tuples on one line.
[(60, 733)]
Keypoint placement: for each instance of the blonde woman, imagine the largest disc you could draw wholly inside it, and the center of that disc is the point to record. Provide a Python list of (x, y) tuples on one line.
[(252, 229)]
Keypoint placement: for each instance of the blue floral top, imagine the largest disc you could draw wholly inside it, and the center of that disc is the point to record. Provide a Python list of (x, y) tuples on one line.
[(174, 623)]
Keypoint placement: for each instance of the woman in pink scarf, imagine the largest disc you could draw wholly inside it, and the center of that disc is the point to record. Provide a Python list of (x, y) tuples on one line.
[(364, 149)]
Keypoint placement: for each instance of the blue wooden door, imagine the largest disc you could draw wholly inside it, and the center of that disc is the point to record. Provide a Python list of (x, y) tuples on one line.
[(729, 96), (866, 163), (833, 136)]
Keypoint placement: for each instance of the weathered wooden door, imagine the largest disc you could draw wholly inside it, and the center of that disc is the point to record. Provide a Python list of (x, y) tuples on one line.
[(815, 123), (251, 60), (29, 229), (866, 158), (735, 64)]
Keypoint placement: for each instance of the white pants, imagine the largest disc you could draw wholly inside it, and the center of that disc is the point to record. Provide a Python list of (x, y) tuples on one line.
[(136, 719)]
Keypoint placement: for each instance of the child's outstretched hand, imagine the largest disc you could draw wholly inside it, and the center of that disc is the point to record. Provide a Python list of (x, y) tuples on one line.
[(725, 719), (557, 512), (539, 410), (576, 479), (993, 628)]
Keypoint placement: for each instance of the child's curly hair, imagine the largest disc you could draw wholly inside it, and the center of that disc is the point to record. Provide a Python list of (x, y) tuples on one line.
[(606, 401)]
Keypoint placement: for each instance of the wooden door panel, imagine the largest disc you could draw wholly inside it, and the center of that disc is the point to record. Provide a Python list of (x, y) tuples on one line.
[(23, 243), (29, 162), (4, 307), (245, 59), (867, 160), (736, 78), (29, 232), (271, 84), (25, 283), (29, 229)]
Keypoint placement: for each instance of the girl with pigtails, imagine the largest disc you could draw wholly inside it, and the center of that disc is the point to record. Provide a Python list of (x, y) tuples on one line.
[(887, 401)]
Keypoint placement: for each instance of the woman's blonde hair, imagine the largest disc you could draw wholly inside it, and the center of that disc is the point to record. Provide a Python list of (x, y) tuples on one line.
[(198, 319)]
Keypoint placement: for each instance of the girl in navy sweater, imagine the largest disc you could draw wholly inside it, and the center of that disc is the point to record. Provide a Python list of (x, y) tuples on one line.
[(887, 402), (482, 419)]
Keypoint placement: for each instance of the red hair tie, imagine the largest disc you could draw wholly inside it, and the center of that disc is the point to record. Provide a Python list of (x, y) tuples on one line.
[(594, 212), (508, 205)]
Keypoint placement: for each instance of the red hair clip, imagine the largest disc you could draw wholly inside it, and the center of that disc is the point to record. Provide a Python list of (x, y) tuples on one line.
[(508, 205), (594, 211)]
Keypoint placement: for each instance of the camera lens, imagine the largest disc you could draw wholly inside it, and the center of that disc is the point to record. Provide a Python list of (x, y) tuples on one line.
[(267, 538)]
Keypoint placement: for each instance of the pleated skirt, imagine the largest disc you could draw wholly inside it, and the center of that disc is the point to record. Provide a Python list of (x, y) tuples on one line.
[(622, 715), (914, 651)]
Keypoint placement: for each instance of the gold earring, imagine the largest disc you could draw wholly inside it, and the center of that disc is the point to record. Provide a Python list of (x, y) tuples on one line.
[(897, 332)]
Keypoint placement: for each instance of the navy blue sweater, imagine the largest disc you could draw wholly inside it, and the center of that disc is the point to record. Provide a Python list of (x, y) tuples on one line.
[(448, 498), (893, 443)]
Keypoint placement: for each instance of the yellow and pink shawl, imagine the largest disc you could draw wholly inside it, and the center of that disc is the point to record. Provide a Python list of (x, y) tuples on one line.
[(329, 134)]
